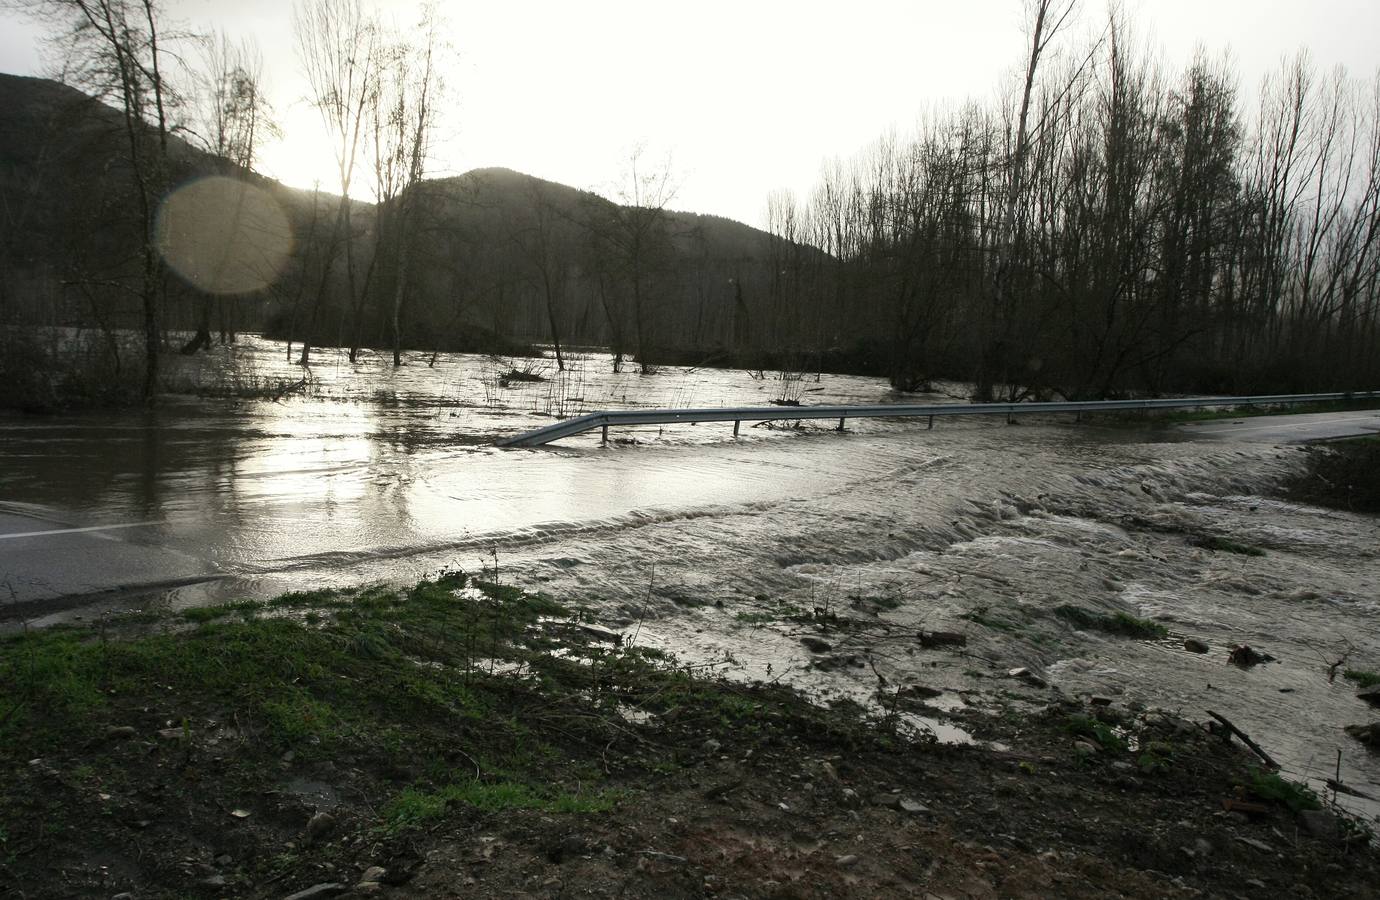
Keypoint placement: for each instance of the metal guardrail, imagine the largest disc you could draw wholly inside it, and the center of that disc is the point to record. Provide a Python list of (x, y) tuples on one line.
[(738, 415)]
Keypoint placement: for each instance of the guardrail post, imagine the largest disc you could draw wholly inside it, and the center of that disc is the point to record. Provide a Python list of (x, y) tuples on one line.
[(840, 428), (606, 435), (931, 425), (736, 423)]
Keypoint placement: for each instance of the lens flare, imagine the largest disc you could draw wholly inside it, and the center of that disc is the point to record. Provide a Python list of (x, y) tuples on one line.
[(224, 235)]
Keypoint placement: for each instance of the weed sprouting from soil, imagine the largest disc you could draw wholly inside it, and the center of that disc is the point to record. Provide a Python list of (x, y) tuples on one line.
[(1270, 786), (1099, 732), (1362, 678)]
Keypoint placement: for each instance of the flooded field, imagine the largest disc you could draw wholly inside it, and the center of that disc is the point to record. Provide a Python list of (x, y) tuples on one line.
[(729, 551)]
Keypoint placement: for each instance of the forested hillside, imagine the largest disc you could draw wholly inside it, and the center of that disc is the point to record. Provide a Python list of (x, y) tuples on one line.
[(1110, 228), (1113, 228)]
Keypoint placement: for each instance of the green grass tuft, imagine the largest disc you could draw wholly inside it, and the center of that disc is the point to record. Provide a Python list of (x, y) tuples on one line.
[(1362, 678), (1099, 732), (1119, 623), (415, 807), (1296, 796)]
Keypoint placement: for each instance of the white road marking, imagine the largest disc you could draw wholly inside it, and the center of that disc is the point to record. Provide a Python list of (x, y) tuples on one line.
[(24, 534)]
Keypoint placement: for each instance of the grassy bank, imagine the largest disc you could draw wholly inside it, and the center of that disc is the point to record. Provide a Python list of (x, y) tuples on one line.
[(472, 737)]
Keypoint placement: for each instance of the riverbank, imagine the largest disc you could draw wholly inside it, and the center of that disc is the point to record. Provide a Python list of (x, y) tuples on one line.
[(466, 738)]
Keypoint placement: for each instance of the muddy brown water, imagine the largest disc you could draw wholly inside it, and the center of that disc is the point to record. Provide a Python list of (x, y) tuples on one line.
[(707, 545)]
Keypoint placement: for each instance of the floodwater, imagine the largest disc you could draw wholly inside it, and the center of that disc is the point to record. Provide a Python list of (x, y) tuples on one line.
[(703, 543)]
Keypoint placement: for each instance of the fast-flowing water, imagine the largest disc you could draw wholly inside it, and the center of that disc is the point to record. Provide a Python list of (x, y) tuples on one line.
[(706, 544)]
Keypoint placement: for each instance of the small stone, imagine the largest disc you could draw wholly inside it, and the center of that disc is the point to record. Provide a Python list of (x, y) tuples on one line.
[(319, 826), (847, 860), (914, 807), (815, 645), (1027, 676), (318, 891), (1193, 645), (117, 732), (1100, 701), (289, 756), (890, 801), (850, 796), (711, 746), (224, 859), (1320, 823), (1245, 656), (373, 873), (214, 881), (1202, 847), (172, 734), (240, 813), (1086, 747)]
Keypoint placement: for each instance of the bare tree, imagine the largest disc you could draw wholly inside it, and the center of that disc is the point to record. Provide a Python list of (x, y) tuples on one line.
[(632, 236), (230, 116), (116, 50), (336, 47), (543, 246), (411, 116), (1048, 18)]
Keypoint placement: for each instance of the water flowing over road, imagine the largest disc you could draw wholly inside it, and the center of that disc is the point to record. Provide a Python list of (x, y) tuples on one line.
[(704, 543)]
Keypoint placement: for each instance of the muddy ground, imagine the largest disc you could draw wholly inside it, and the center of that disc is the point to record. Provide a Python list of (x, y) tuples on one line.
[(473, 740)]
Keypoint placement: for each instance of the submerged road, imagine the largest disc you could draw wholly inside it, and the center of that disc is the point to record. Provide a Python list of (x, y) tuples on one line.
[(1289, 429), (51, 568), (47, 565)]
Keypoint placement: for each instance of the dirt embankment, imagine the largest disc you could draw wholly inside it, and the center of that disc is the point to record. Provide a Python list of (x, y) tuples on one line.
[(463, 740)]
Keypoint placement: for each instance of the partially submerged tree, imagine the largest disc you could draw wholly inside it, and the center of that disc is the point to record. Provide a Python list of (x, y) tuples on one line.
[(539, 234), (231, 116), (631, 243), (337, 49), (116, 50), (411, 85)]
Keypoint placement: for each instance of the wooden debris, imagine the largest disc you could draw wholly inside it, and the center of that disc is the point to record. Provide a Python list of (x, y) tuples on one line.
[(1247, 807), (1245, 739)]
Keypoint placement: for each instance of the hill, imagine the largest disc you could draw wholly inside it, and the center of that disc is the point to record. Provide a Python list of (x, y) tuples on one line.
[(496, 258)]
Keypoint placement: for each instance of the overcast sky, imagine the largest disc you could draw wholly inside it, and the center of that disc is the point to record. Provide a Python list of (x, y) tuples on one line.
[(744, 96)]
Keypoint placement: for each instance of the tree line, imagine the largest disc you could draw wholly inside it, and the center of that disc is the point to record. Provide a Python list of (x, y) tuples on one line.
[(189, 105), (1107, 227), (1111, 228)]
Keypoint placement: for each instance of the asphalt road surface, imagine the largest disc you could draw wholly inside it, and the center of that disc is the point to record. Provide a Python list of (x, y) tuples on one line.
[(48, 566), (1293, 429)]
